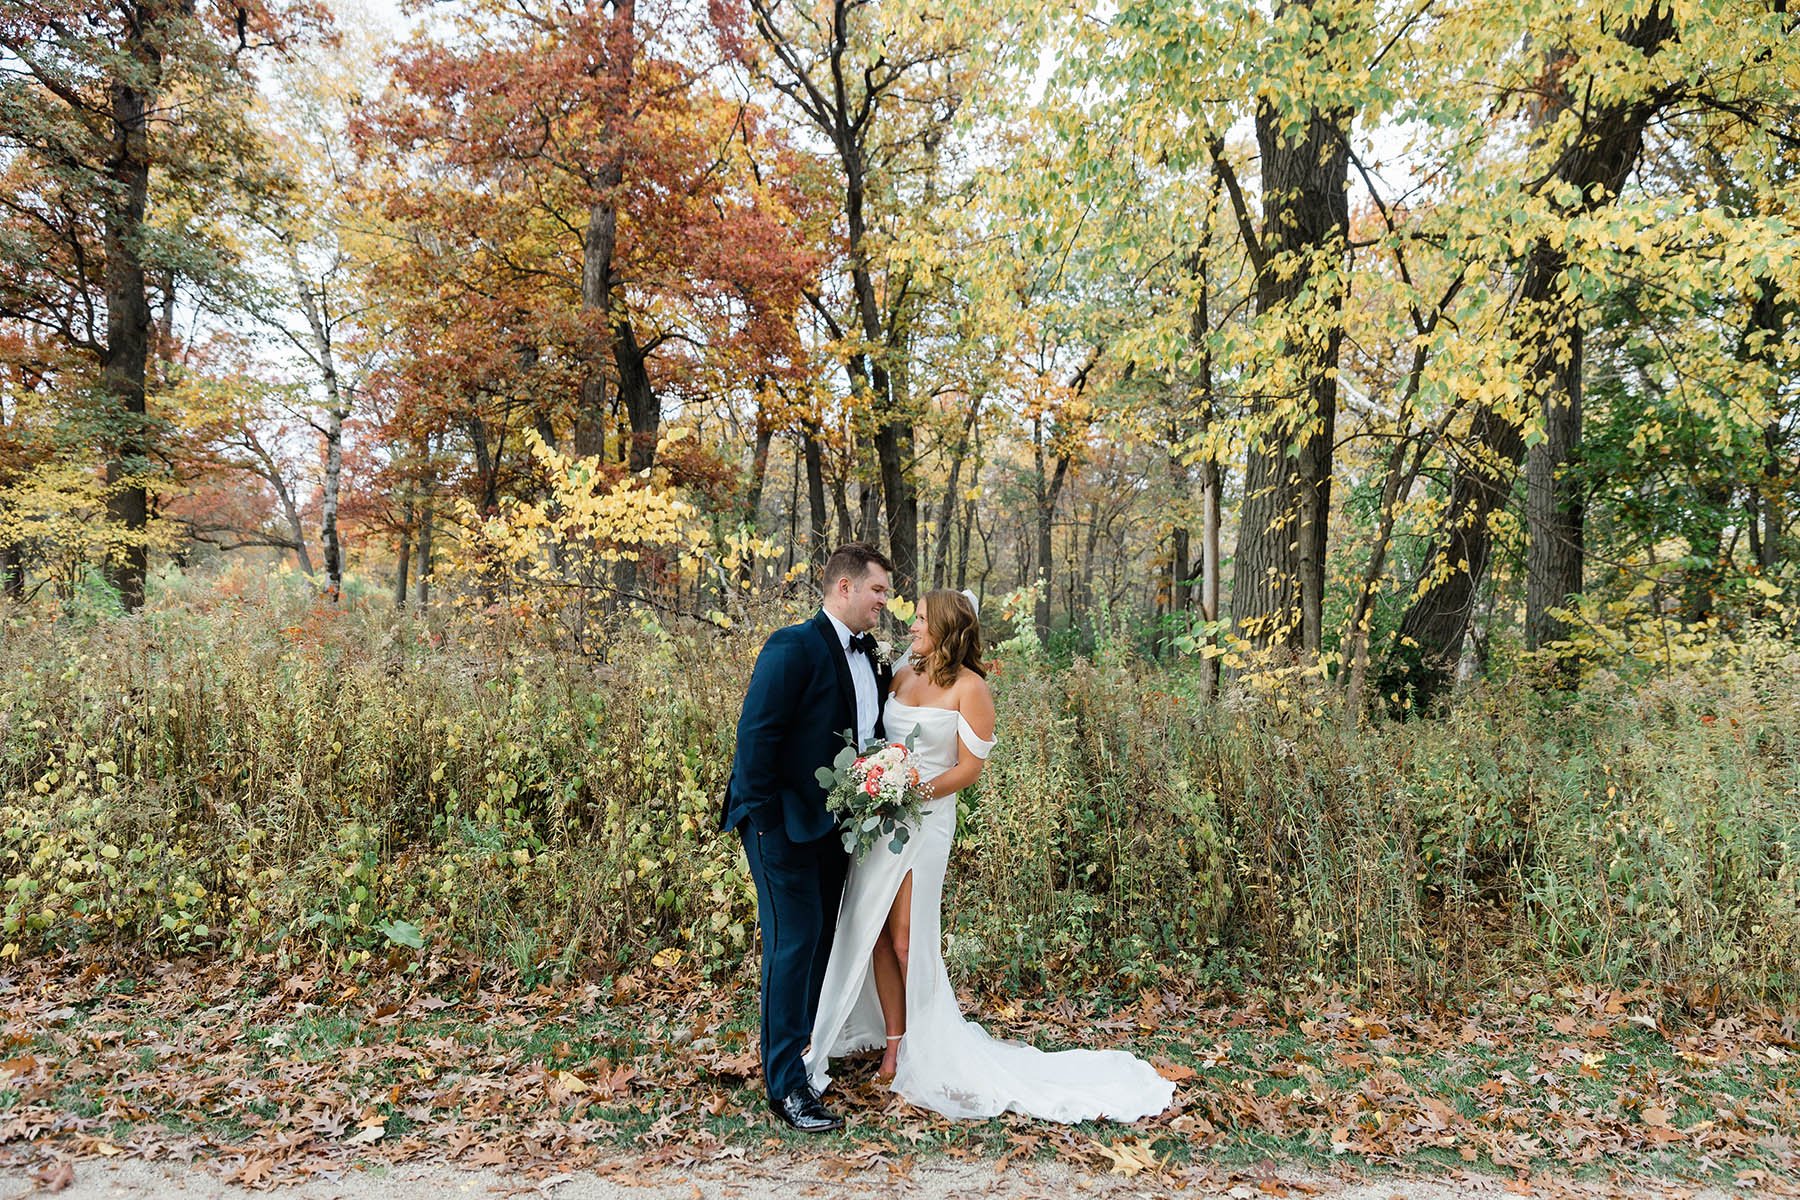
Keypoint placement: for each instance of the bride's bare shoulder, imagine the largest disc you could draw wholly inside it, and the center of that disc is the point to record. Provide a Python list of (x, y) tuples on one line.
[(975, 701), (969, 687)]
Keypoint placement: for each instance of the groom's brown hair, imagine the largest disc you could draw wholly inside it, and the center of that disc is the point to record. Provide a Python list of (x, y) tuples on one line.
[(853, 560)]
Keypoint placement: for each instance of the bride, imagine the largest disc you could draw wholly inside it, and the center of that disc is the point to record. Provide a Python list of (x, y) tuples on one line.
[(886, 986)]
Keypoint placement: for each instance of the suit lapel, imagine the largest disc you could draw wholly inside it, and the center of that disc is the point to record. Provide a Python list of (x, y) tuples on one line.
[(834, 651)]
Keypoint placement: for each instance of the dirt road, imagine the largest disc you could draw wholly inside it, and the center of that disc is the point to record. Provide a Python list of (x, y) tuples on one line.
[(776, 1178)]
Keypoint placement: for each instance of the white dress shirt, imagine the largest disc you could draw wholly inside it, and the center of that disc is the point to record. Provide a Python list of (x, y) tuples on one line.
[(862, 677)]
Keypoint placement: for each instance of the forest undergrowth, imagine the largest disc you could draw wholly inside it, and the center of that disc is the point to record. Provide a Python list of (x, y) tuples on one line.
[(245, 771)]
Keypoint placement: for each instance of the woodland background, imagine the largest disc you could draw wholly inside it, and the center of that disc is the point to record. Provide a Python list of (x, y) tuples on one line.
[(1373, 430)]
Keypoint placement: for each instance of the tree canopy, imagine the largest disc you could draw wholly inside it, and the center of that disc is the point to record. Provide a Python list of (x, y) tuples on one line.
[(1359, 340)]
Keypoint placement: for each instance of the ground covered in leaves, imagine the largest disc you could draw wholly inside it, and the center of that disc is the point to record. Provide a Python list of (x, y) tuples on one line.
[(265, 1077)]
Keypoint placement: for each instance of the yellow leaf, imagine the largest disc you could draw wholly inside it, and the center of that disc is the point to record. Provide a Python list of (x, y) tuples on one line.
[(1129, 1158)]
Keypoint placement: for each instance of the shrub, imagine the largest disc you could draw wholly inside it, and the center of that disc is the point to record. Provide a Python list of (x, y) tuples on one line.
[(243, 770)]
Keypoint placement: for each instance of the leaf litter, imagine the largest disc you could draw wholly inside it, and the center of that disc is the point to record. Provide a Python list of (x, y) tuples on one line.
[(269, 1078)]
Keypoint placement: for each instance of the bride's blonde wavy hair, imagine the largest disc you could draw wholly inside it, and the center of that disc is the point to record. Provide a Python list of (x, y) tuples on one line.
[(955, 637)]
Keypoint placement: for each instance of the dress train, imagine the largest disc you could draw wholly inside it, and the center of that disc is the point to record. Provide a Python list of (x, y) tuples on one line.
[(947, 1063)]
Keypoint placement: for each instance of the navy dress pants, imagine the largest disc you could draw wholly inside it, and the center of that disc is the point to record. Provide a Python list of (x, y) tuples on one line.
[(798, 887)]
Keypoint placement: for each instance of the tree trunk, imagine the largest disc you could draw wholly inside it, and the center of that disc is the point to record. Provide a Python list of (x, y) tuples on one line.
[(487, 464), (1045, 489), (1180, 549), (1199, 330), (868, 513), (314, 306), (818, 528), (946, 514), (328, 514), (1770, 315), (1180, 535), (422, 587), (759, 471), (642, 416), (1089, 544), (1772, 499), (840, 486), (165, 326), (1554, 508), (793, 511), (642, 409), (1210, 484), (894, 448), (597, 246), (1280, 582), (1597, 160), (12, 554), (964, 533), (12, 572), (128, 311), (403, 563), (409, 521), (1431, 631)]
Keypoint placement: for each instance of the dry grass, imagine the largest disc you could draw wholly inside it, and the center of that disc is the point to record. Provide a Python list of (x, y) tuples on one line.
[(243, 770)]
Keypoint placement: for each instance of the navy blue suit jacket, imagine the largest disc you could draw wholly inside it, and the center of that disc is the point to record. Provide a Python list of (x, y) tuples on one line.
[(799, 704)]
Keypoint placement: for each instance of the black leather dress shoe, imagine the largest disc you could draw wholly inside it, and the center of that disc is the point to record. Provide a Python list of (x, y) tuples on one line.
[(803, 1110)]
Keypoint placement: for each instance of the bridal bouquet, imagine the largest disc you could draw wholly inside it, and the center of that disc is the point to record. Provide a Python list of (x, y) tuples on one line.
[(874, 795)]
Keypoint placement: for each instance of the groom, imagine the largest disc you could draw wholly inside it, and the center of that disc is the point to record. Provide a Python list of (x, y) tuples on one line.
[(812, 682)]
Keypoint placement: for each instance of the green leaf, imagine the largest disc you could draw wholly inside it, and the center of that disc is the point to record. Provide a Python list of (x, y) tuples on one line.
[(826, 776), (403, 933)]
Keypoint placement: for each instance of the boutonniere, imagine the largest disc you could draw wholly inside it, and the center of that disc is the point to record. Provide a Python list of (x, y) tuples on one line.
[(884, 653)]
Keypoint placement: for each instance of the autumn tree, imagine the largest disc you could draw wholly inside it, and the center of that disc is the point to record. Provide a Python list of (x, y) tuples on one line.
[(587, 230), (1588, 155), (880, 83), (107, 112)]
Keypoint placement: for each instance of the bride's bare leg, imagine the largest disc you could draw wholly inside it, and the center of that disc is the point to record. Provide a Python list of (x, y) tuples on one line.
[(891, 948), (890, 989)]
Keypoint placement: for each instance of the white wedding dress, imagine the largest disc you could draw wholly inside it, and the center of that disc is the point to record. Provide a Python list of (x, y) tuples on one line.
[(946, 1063)]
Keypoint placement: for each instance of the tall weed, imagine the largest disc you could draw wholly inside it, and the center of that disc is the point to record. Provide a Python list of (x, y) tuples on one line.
[(243, 769)]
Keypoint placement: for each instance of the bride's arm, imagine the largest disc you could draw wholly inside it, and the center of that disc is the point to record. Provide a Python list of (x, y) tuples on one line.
[(976, 704)]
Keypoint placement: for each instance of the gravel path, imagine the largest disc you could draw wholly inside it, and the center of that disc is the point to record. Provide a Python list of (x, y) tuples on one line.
[(779, 1179)]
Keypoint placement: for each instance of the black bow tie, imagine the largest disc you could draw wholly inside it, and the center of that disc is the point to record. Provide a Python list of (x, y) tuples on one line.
[(863, 642)]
